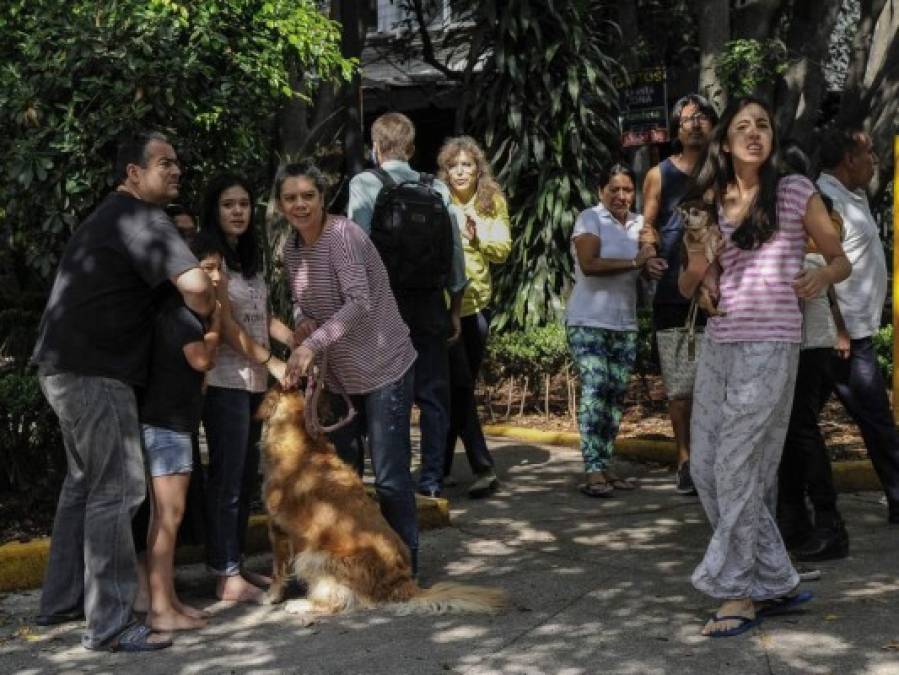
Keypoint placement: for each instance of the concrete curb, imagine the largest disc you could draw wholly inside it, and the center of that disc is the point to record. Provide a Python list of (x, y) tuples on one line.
[(22, 565), (848, 476)]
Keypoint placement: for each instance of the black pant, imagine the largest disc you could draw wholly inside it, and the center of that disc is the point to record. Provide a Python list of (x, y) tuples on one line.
[(860, 387), (432, 396), (466, 357), (805, 463)]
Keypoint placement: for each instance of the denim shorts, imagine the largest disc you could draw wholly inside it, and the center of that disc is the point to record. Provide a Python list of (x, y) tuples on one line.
[(166, 452)]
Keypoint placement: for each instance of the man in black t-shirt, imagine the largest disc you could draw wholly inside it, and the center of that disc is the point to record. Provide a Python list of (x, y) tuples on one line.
[(93, 348)]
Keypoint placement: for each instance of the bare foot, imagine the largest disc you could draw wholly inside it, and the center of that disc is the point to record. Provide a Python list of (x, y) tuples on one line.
[(187, 610), (260, 580), (172, 621), (237, 589), (741, 607)]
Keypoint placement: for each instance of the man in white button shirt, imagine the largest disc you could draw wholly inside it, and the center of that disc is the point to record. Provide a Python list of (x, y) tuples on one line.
[(847, 163)]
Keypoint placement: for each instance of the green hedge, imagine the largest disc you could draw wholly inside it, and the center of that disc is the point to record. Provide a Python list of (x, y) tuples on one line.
[(544, 350), (32, 455), (883, 348)]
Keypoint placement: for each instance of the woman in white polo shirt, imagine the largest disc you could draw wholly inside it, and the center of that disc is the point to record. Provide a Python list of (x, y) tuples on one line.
[(601, 320)]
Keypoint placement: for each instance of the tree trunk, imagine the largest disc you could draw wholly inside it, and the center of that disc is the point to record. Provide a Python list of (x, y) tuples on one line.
[(351, 46), (524, 395), (756, 19), (871, 93), (547, 382), (851, 111), (639, 157), (714, 31), (882, 118), (292, 119), (801, 89), (489, 394)]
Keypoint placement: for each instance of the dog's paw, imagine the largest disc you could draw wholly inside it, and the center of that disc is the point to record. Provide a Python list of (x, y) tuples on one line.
[(303, 611), (300, 606)]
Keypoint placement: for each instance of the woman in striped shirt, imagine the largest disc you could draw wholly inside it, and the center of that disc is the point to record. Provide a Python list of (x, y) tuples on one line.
[(745, 378), (343, 307)]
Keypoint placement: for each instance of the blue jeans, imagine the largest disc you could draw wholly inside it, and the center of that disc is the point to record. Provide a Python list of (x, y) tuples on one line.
[(432, 396), (862, 391), (92, 561), (233, 439), (383, 415)]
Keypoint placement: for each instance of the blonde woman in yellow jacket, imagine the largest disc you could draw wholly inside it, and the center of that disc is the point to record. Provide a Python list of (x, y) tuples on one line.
[(486, 240)]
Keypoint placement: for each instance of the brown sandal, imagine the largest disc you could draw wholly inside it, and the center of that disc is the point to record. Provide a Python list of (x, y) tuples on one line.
[(599, 488), (619, 483)]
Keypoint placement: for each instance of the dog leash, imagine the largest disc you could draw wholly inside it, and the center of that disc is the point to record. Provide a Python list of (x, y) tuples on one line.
[(315, 384)]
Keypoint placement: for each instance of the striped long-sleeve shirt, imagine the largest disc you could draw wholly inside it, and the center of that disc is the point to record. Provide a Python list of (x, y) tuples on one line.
[(756, 287), (341, 283)]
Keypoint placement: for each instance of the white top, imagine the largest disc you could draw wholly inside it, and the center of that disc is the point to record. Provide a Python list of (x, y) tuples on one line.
[(862, 295), (249, 306), (818, 328), (608, 301)]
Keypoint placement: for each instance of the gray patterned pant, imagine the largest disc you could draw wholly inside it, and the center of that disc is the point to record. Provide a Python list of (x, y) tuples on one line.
[(741, 408)]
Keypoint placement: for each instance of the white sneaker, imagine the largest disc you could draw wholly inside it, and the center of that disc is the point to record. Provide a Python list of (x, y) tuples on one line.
[(484, 485)]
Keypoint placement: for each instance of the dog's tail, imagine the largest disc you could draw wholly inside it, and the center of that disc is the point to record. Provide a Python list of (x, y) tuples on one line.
[(448, 597)]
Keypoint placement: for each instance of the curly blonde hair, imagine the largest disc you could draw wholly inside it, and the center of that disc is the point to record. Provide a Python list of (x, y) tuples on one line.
[(488, 189)]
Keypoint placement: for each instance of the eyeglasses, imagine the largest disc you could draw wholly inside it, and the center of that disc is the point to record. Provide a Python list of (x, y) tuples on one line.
[(696, 119)]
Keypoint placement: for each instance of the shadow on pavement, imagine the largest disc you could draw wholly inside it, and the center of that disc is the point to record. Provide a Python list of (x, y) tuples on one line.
[(596, 586)]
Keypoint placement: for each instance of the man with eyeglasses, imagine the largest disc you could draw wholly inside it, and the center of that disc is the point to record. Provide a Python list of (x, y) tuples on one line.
[(692, 119)]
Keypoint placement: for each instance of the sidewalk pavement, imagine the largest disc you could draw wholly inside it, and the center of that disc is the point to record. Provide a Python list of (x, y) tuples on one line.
[(596, 586)]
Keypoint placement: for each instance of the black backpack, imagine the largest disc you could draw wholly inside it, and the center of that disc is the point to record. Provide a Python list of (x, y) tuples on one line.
[(413, 231)]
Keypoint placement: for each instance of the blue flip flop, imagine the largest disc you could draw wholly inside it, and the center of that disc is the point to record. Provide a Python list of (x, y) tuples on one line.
[(136, 638), (783, 605), (745, 623)]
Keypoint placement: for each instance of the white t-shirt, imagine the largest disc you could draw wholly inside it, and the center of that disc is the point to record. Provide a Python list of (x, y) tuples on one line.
[(862, 295), (818, 328), (608, 301), (249, 306)]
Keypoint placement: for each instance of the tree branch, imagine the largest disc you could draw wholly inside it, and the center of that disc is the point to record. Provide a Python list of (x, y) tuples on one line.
[(427, 46), (801, 89)]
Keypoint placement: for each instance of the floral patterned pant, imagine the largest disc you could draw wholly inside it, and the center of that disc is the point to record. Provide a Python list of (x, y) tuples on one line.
[(741, 409), (604, 360)]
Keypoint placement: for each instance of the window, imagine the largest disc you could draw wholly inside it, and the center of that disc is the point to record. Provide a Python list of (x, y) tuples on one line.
[(386, 15)]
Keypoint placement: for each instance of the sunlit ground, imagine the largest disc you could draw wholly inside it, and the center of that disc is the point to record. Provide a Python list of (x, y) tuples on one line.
[(596, 586)]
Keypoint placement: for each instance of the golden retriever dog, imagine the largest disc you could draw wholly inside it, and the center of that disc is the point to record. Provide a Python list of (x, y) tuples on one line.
[(322, 521)]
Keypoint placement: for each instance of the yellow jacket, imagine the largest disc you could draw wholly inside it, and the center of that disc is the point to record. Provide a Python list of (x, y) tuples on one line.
[(492, 245)]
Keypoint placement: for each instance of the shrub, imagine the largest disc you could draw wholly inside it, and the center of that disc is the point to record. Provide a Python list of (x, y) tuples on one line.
[(32, 454), (883, 349)]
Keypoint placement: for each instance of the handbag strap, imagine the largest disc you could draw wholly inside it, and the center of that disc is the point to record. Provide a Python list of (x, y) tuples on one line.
[(690, 325)]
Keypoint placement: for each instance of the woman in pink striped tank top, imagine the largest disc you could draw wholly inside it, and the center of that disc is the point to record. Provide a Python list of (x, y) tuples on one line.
[(745, 379)]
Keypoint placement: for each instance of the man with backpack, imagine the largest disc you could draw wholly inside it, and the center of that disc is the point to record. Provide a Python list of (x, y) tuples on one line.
[(409, 217)]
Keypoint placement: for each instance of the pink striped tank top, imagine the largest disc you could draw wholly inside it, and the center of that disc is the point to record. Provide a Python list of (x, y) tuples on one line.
[(756, 286)]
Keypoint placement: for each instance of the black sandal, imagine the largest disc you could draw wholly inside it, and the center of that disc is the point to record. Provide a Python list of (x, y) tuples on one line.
[(598, 489)]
